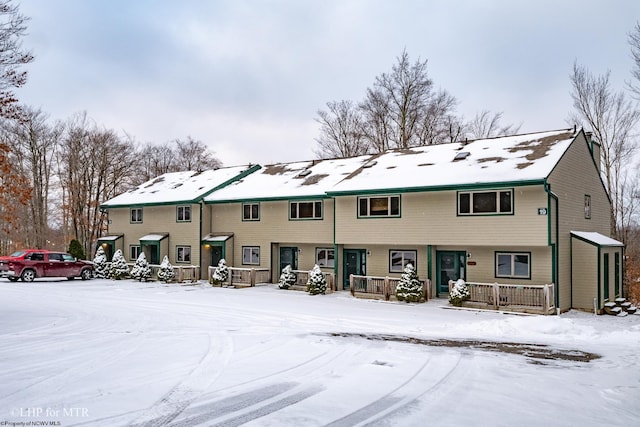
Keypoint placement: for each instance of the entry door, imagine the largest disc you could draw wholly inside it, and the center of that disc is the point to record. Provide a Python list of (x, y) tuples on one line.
[(451, 265), (152, 254), (354, 263), (216, 254), (288, 256)]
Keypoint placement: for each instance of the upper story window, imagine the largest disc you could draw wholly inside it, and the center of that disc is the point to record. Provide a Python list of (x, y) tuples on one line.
[(183, 213), (251, 212), (136, 215), (587, 206), (305, 210), (485, 202), (379, 206)]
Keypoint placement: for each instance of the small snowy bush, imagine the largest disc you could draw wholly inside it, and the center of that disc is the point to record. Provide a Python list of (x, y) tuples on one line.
[(100, 269), (166, 273), (287, 278), (220, 274), (409, 288), (317, 284), (141, 270), (459, 293), (119, 268)]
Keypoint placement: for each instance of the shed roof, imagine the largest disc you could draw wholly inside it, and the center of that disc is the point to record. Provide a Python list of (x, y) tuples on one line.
[(596, 239)]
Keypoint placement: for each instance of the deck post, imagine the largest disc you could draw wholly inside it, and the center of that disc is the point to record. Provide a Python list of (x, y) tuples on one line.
[(351, 285), (496, 296)]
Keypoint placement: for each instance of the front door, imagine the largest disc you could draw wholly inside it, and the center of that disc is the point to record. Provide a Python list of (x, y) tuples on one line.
[(216, 254), (288, 256), (354, 263), (451, 265), (152, 254)]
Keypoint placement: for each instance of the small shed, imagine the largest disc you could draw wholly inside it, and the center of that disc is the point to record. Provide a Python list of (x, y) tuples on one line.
[(596, 270)]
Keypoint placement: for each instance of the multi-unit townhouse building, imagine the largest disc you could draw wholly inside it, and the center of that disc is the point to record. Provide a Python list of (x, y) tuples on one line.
[(523, 209)]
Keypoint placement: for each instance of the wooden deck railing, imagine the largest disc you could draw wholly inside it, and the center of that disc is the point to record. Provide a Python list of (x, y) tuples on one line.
[(244, 276), (521, 298), (302, 277), (182, 273), (381, 286)]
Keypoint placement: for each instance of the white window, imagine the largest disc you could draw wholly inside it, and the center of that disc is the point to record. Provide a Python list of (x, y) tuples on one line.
[(305, 210), (379, 206), (398, 260), (183, 253), (325, 257), (183, 213), (251, 212), (587, 206), (251, 255), (513, 265), (136, 215), (134, 252), (485, 202)]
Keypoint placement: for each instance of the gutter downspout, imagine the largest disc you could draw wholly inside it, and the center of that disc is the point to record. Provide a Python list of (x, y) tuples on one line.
[(335, 252), (554, 246), (201, 204)]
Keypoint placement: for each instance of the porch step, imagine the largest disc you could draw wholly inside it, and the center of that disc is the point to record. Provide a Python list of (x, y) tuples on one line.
[(612, 308), (632, 309), (619, 301), (620, 307), (622, 314)]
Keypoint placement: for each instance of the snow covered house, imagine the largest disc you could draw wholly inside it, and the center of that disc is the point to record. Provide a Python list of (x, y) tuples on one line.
[(527, 209), (164, 215)]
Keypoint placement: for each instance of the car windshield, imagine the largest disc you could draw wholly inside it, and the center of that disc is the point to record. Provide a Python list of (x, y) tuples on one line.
[(18, 253)]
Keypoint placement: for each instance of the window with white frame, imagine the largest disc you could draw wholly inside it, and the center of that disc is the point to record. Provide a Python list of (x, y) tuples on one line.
[(325, 257), (183, 253), (183, 213), (251, 212), (379, 206), (513, 265), (134, 252), (251, 255), (587, 206), (136, 215), (398, 260), (485, 202), (305, 210)]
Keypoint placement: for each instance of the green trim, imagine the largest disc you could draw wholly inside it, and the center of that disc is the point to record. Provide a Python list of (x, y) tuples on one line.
[(461, 187), (555, 245), (594, 243), (616, 267), (497, 191), (429, 262), (238, 177), (200, 251), (512, 253), (599, 286), (380, 196), (335, 249), (605, 284)]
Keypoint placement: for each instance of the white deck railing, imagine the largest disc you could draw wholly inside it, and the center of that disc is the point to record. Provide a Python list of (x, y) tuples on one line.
[(243, 276), (500, 296), (381, 286)]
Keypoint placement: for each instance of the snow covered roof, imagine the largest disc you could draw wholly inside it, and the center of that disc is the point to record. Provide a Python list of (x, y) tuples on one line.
[(217, 237), (596, 238), (154, 237), (289, 180), (111, 237), (519, 158), (177, 187)]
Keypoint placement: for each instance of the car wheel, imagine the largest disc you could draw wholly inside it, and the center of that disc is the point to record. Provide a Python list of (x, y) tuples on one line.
[(13, 279), (85, 274), (28, 275)]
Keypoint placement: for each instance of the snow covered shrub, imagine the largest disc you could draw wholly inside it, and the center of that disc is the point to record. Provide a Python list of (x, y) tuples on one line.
[(287, 278), (119, 268), (141, 270), (100, 269), (459, 293), (166, 273), (317, 284), (409, 288), (220, 274)]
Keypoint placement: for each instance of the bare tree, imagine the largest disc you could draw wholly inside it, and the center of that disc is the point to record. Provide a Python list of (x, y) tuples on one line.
[(155, 160), (193, 155), (341, 131), (438, 124), (612, 119), (486, 124), (634, 42)]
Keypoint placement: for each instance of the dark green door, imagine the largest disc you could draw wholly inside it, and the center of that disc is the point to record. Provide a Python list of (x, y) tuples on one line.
[(288, 256), (216, 254), (605, 291), (617, 275), (153, 254), (354, 263), (451, 265)]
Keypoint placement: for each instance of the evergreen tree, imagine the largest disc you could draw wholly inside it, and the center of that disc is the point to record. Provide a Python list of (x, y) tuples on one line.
[(119, 268), (287, 278), (459, 293), (409, 288), (221, 273), (165, 273), (76, 249), (101, 269), (317, 283), (141, 270)]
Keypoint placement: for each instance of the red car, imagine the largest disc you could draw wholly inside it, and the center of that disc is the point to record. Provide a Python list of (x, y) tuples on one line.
[(31, 263)]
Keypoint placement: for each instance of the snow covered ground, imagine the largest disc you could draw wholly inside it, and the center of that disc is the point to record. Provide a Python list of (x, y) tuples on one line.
[(110, 353)]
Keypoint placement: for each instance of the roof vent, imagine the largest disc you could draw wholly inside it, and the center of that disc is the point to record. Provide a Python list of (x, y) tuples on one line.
[(461, 155), (304, 173), (370, 164)]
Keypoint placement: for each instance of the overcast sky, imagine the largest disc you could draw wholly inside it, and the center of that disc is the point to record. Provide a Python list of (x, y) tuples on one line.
[(247, 77)]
